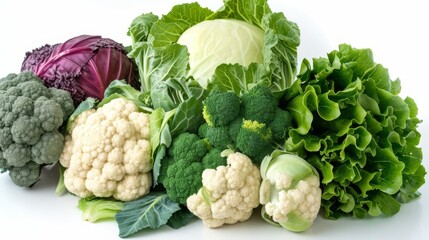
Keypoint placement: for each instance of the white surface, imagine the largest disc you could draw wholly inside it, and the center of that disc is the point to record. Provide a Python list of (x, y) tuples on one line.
[(396, 31)]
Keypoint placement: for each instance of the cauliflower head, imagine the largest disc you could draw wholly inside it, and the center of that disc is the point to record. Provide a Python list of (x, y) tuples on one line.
[(290, 191), (229, 193), (107, 152)]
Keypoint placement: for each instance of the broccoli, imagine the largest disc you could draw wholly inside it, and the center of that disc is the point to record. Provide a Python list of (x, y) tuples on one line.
[(30, 116), (280, 124), (219, 136), (253, 138), (257, 129), (259, 104), (188, 146), (25, 176), (181, 170), (221, 108), (213, 159)]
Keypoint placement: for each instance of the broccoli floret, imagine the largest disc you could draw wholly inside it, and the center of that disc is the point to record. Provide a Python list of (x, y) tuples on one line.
[(234, 128), (259, 104), (63, 98), (17, 155), (221, 108), (4, 165), (26, 130), (33, 89), (23, 106), (49, 112), (202, 130), (25, 176), (5, 138), (219, 136), (213, 159), (183, 179), (280, 124), (188, 146), (30, 117), (183, 174), (253, 138), (49, 148)]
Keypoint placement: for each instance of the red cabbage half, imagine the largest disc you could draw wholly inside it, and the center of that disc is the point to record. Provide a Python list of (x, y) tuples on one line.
[(84, 65)]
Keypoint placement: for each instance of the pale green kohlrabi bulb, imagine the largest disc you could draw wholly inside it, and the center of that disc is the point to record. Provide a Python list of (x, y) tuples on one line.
[(214, 42)]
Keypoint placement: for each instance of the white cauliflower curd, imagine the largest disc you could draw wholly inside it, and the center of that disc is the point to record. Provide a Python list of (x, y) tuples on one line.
[(107, 152), (229, 193)]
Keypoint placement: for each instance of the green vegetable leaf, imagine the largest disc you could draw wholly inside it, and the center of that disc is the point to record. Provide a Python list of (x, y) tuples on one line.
[(181, 218), (140, 27), (158, 64), (89, 103), (187, 117), (97, 209), (354, 128), (150, 211), (168, 29)]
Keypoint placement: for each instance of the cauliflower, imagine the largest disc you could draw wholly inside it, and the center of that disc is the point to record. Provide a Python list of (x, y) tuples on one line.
[(107, 152), (290, 192), (229, 193)]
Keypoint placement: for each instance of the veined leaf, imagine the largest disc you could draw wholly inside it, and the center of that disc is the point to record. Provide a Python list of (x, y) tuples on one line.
[(151, 211)]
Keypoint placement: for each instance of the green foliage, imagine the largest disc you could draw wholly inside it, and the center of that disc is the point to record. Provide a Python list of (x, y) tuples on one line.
[(351, 124)]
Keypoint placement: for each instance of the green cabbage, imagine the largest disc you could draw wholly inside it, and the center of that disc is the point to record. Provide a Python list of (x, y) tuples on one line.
[(214, 42), (191, 42), (355, 129)]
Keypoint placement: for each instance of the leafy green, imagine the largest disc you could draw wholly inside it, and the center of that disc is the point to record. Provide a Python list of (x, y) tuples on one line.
[(97, 209), (159, 57), (151, 211), (354, 128)]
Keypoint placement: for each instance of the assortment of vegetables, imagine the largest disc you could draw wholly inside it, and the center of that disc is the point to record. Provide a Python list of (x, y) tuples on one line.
[(205, 117)]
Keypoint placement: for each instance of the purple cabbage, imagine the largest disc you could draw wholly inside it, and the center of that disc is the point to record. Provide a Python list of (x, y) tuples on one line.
[(84, 66)]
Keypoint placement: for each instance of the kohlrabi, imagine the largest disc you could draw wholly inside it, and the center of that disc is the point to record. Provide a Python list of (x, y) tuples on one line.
[(290, 194)]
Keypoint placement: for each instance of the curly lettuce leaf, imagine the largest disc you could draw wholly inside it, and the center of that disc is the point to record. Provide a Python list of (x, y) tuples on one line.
[(351, 124)]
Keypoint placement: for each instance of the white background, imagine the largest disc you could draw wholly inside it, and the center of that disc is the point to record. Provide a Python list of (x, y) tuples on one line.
[(396, 31)]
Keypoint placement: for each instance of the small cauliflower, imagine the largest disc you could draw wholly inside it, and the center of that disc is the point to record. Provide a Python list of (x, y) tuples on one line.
[(229, 193), (290, 191), (107, 152)]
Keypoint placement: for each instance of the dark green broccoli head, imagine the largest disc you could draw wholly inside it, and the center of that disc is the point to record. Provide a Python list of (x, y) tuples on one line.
[(17, 155), (33, 89), (234, 128), (221, 108), (63, 98), (25, 176), (26, 130), (49, 112), (23, 106), (253, 138), (202, 130), (280, 124), (219, 136), (5, 138), (213, 159), (183, 179), (48, 149), (259, 104), (4, 165), (189, 147), (30, 116)]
